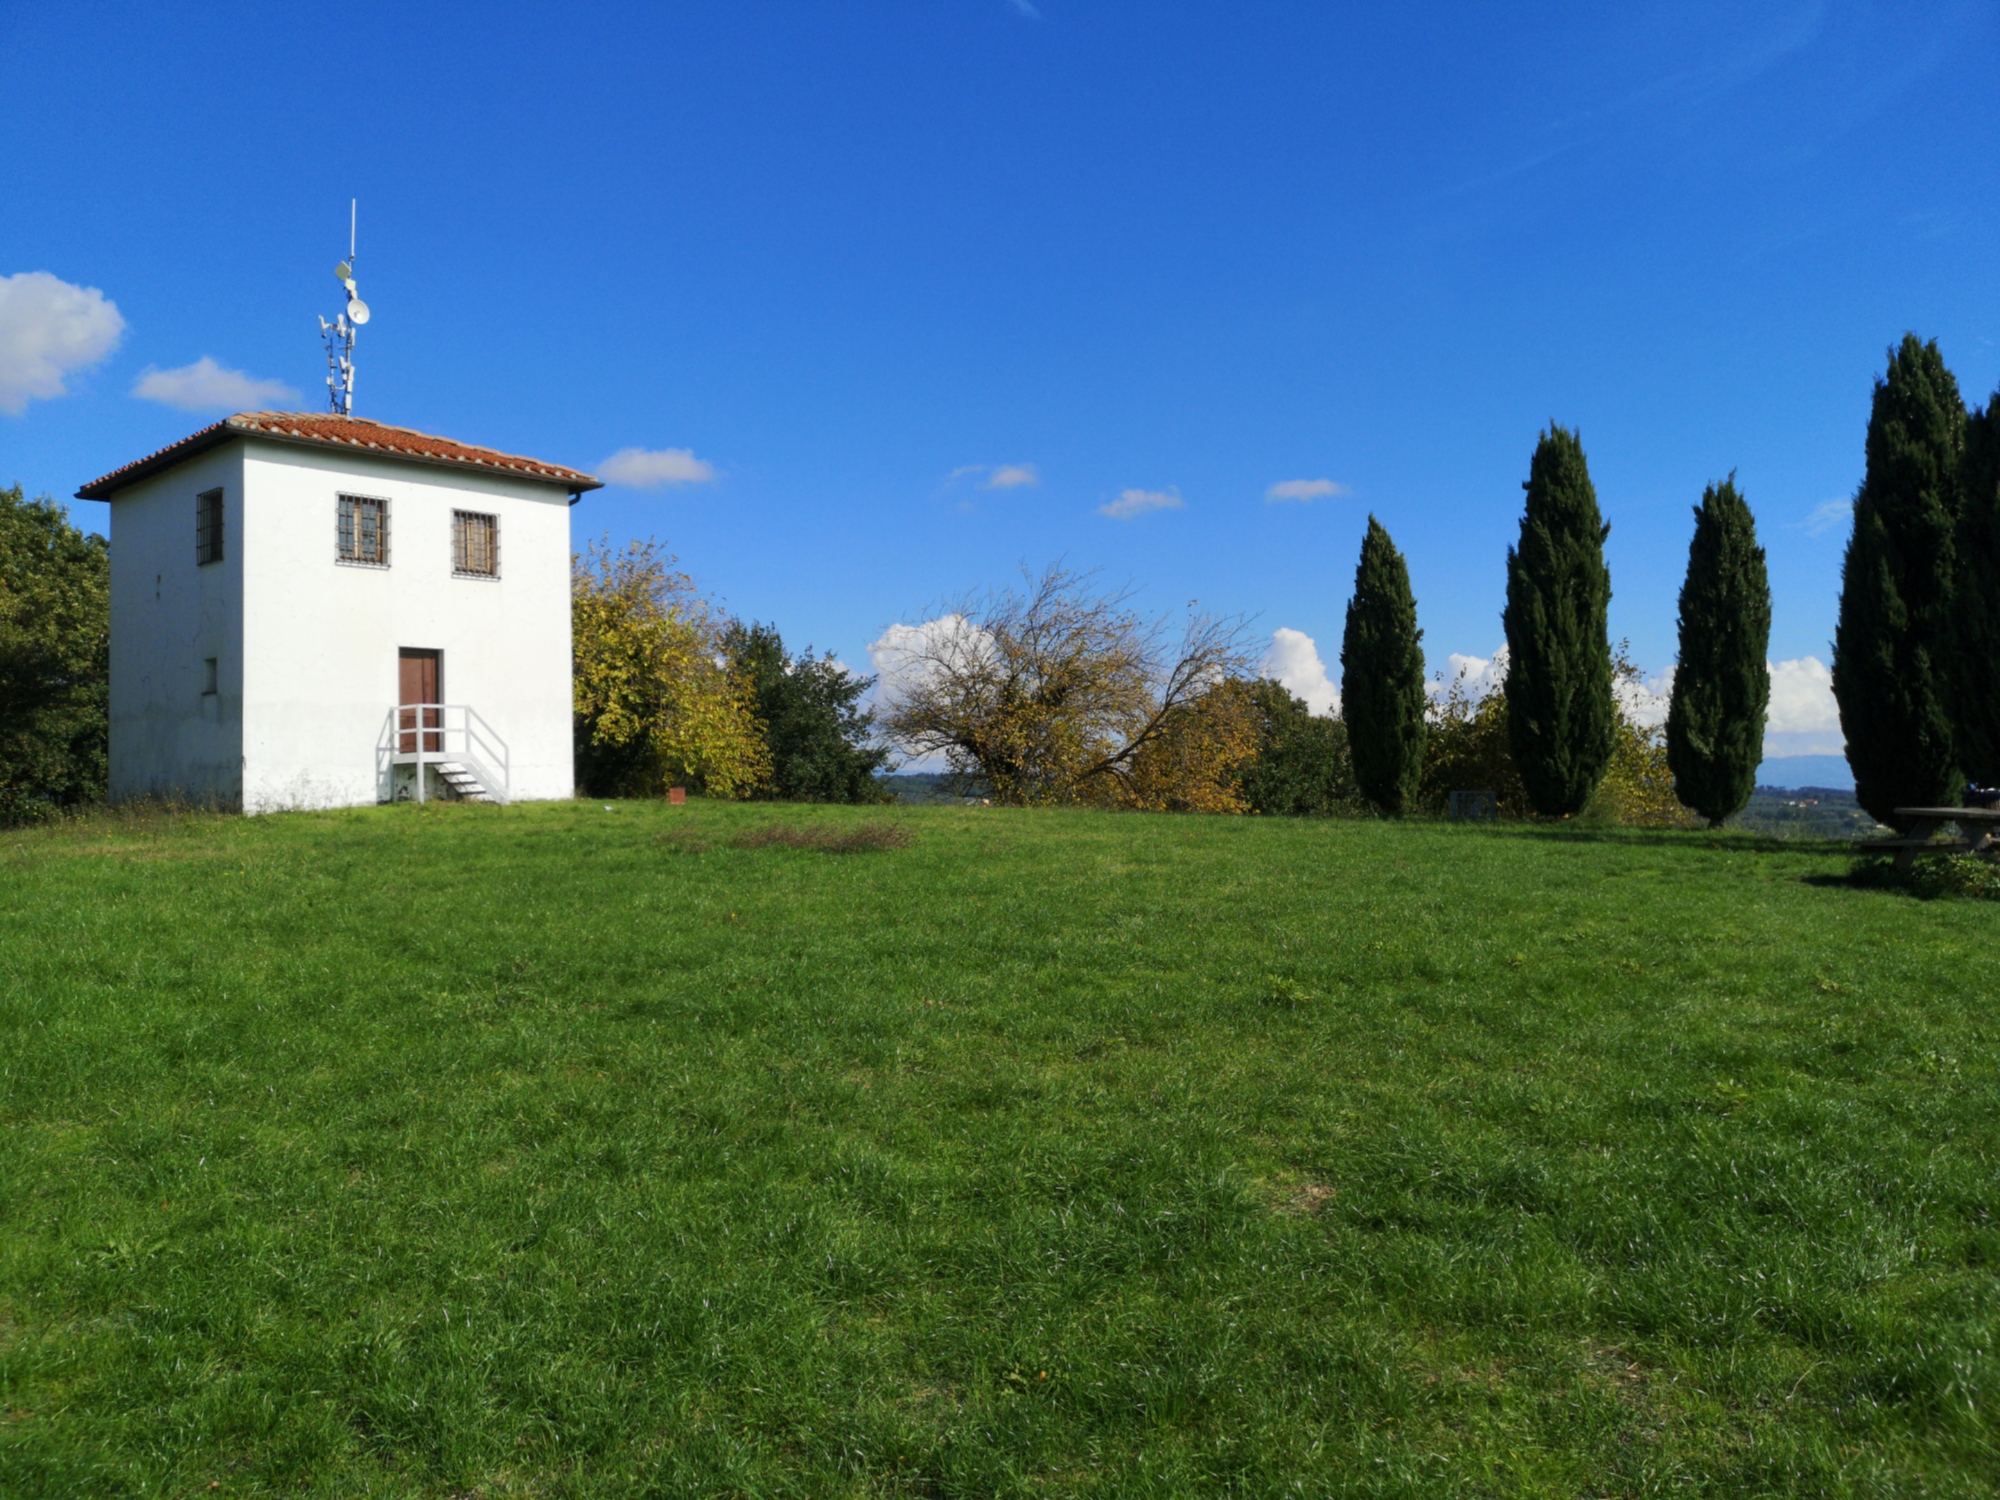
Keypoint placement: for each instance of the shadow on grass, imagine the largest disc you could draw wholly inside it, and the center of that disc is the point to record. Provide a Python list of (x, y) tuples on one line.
[(1934, 877), (1724, 840)]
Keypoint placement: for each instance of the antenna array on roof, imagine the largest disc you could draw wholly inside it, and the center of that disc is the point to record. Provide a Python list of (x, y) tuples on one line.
[(339, 334)]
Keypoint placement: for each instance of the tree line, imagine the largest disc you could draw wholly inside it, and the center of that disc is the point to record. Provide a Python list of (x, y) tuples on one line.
[(1916, 651), (1060, 692)]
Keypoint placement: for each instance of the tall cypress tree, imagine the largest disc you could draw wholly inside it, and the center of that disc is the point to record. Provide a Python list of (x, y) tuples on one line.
[(1715, 722), (1892, 644), (1560, 712), (1382, 677), (1975, 613)]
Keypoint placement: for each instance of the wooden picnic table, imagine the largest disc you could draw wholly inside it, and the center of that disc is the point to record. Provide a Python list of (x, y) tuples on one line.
[(1978, 827)]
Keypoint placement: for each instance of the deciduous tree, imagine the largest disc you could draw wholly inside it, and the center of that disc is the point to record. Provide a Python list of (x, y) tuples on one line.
[(1060, 692), (1722, 686), (656, 703), (55, 634), (819, 737), (1894, 634), (1382, 698), (1195, 762), (1301, 768), (1560, 712)]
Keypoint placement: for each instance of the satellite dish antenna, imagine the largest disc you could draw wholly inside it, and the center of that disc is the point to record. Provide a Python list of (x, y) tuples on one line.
[(357, 311)]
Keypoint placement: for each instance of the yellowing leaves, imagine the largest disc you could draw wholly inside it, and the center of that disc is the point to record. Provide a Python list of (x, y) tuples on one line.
[(656, 705)]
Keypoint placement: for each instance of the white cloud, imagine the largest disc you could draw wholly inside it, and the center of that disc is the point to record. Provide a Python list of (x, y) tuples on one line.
[(1803, 718), (1827, 515), (996, 476), (903, 657), (208, 386), (650, 468), (1012, 476), (1305, 491), (1479, 674), (49, 329), (1293, 659), (1025, 9), (1132, 503), (1645, 701)]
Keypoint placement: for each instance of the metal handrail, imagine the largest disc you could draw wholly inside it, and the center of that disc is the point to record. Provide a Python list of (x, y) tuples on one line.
[(421, 734)]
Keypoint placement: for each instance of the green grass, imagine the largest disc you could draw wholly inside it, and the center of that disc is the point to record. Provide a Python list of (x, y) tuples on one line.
[(560, 1152)]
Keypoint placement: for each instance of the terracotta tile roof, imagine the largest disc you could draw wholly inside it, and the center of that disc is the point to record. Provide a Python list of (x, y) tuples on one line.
[(323, 430)]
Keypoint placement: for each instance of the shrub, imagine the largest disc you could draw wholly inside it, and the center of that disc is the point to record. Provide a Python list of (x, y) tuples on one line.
[(1301, 767)]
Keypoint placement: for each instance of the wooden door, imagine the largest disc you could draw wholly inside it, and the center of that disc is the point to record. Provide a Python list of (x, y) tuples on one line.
[(420, 673)]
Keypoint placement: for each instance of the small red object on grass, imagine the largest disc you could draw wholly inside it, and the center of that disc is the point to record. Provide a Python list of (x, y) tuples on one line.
[(677, 796)]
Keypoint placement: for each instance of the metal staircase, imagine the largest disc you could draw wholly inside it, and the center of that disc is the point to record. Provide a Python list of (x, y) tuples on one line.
[(464, 783), (452, 739)]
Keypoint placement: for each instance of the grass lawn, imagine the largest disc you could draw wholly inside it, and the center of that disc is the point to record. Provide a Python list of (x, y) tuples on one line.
[(559, 1151)]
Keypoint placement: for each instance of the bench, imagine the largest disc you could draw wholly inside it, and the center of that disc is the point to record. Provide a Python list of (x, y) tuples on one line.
[(1977, 826)]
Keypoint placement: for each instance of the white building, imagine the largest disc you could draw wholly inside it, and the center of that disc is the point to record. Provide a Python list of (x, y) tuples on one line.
[(315, 611)]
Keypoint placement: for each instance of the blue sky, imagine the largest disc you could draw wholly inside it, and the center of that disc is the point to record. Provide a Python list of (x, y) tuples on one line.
[(857, 258)]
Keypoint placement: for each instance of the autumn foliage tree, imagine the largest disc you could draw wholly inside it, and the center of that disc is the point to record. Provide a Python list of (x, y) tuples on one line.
[(656, 703), (1061, 693)]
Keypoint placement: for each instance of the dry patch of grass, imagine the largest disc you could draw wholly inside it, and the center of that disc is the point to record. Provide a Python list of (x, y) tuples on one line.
[(1299, 1196), (828, 840), (820, 837)]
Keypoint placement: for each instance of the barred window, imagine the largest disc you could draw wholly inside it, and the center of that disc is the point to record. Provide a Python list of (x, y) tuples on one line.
[(208, 527), (364, 530), (475, 544)]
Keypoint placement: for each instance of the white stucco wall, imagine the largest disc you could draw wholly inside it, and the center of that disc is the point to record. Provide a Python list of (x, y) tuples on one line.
[(168, 738), (321, 636), (307, 646)]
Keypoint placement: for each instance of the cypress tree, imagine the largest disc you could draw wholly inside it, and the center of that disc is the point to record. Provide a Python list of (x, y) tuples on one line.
[(1891, 648), (1975, 677), (1715, 722), (1560, 711), (1382, 677)]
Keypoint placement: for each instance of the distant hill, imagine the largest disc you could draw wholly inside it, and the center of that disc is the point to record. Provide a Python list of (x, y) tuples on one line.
[(922, 787), (1806, 770)]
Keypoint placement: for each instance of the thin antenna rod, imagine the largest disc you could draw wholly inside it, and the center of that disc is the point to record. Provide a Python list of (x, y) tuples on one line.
[(353, 206)]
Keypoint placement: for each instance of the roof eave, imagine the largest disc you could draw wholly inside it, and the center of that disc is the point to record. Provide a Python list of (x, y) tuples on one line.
[(574, 483), (566, 482), (188, 447)]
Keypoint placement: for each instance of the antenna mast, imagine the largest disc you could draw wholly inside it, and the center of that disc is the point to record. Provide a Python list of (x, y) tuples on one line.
[(339, 334)]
